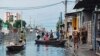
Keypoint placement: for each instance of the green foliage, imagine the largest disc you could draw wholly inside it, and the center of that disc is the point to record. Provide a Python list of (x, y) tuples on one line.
[(62, 25), (1, 21), (57, 26), (9, 25), (17, 24)]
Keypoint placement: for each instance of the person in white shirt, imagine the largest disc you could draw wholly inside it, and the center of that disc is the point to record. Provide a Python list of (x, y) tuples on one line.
[(38, 35)]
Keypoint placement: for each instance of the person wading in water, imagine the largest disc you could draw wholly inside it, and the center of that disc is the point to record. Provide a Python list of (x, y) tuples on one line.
[(76, 38), (38, 35), (46, 37)]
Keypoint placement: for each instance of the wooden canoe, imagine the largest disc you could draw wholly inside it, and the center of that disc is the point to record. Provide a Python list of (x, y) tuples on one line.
[(15, 47), (51, 42)]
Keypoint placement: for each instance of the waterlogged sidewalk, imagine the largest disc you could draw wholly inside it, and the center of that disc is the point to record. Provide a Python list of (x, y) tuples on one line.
[(83, 50)]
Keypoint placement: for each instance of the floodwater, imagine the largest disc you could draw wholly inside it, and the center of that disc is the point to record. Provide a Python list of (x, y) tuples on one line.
[(31, 49)]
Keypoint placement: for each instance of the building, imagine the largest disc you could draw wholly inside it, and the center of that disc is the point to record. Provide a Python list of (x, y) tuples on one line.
[(7, 15), (10, 15), (90, 17), (72, 21)]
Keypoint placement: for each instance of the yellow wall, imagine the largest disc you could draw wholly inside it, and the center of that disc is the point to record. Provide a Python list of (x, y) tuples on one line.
[(75, 22)]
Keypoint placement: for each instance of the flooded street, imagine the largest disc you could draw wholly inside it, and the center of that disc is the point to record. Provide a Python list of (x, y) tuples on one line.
[(31, 49), (50, 27)]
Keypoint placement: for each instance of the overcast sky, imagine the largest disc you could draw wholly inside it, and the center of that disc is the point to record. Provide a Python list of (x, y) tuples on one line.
[(46, 17)]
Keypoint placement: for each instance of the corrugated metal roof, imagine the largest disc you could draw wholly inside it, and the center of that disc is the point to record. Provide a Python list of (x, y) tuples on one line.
[(87, 4)]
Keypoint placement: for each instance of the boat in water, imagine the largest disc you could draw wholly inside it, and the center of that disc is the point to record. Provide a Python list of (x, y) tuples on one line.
[(17, 44), (16, 47), (51, 42)]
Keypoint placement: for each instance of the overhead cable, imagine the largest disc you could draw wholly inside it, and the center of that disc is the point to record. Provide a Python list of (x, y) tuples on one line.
[(31, 8)]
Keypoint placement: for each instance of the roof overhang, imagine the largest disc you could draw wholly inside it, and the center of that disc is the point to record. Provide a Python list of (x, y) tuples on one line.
[(72, 13), (88, 4), (98, 12)]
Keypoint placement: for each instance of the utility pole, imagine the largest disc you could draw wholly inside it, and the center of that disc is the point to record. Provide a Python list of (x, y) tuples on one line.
[(61, 29), (21, 20), (66, 23), (60, 21), (65, 6), (61, 17), (30, 21), (34, 23)]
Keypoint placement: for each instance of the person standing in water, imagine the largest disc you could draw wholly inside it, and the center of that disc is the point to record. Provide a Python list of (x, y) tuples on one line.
[(46, 37), (57, 34), (75, 37), (38, 35), (51, 35), (43, 33)]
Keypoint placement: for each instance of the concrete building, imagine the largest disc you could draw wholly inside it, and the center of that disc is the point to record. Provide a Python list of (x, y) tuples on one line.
[(18, 16), (90, 17), (72, 20), (15, 16), (85, 16), (7, 15)]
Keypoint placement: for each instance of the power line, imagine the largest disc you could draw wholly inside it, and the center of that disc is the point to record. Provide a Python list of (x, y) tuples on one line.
[(31, 8)]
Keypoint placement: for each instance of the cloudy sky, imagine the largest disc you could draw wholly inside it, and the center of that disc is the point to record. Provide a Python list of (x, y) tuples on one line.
[(46, 17)]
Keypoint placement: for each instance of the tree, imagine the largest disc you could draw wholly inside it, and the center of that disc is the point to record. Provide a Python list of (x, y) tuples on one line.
[(1, 21), (57, 26), (9, 25), (17, 24)]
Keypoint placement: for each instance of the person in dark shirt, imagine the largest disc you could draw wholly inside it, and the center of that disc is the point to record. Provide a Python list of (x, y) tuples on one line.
[(75, 35), (57, 34), (84, 36), (42, 34), (51, 35)]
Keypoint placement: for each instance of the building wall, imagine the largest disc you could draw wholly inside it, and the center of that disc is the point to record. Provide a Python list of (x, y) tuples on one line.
[(86, 21), (7, 15), (87, 16), (68, 25)]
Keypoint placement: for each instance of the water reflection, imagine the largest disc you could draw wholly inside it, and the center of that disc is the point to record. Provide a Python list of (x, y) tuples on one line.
[(38, 47), (15, 53), (39, 50), (46, 49), (32, 49)]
